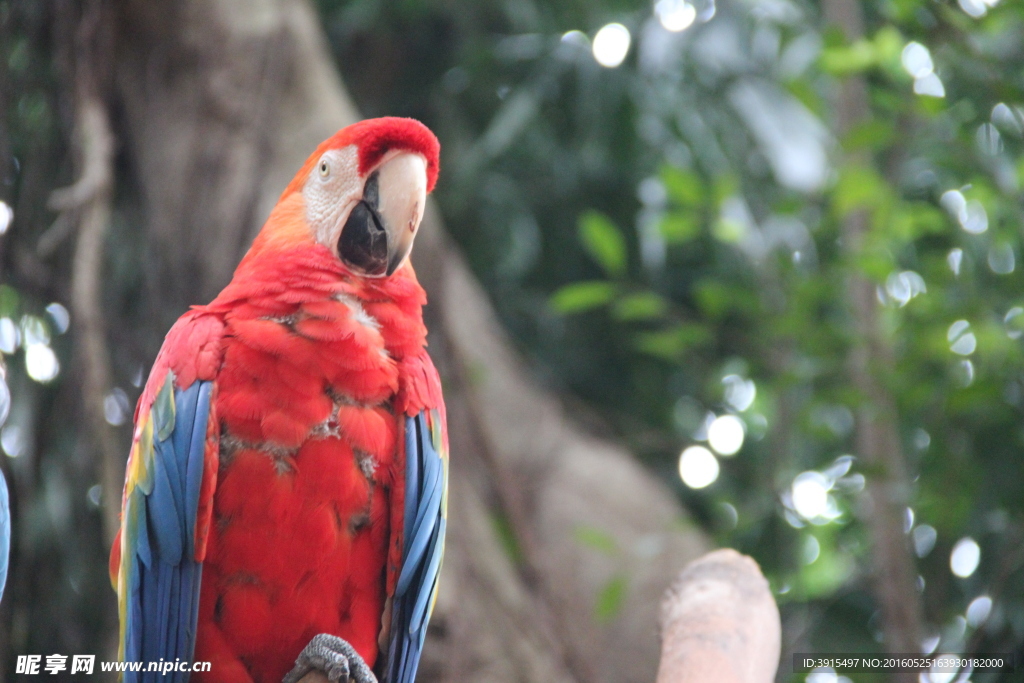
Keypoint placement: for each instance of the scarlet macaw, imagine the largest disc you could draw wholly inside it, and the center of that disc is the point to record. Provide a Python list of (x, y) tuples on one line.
[(288, 473)]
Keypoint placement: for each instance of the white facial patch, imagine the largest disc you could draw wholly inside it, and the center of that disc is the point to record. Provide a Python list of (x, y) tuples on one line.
[(332, 189)]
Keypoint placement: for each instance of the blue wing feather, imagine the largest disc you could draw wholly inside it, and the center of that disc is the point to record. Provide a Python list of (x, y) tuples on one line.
[(5, 532), (194, 464), (424, 598), (424, 523), (165, 520), (164, 595), (422, 532)]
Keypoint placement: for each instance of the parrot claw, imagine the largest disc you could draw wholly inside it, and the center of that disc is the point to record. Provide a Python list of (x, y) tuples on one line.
[(333, 656)]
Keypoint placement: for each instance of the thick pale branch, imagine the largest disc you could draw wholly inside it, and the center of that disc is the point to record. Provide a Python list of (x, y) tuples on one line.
[(87, 204), (91, 196), (96, 145), (720, 623)]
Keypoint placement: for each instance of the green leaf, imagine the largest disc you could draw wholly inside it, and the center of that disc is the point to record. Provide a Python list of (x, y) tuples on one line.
[(729, 230), (829, 573), (889, 43), (8, 301), (872, 134), (583, 296), (610, 598), (849, 59), (640, 306), (604, 242), (670, 344), (683, 187), (726, 186), (875, 264), (859, 187), (507, 537), (911, 220), (677, 227), (807, 95), (714, 298), (1020, 169), (597, 539)]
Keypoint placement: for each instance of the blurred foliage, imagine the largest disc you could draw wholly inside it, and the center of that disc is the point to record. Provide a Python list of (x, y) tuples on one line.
[(662, 240), (57, 597)]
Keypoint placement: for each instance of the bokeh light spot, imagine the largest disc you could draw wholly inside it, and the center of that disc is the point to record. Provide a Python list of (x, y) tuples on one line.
[(11, 441), (41, 362), (5, 399), (1001, 259), (611, 45), (917, 60), (6, 216), (811, 550), (961, 340), (10, 336), (978, 610), (739, 393), (675, 15), (34, 330), (95, 495), (810, 494), (955, 258), (1013, 321), (698, 467), (930, 86), (965, 557), (725, 434), (116, 408), (60, 317)]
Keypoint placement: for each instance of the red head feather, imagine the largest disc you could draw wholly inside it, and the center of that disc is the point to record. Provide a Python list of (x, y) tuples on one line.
[(374, 138)]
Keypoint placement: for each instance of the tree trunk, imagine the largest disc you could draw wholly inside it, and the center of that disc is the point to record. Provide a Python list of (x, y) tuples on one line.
[(219, 103), (877, 438)]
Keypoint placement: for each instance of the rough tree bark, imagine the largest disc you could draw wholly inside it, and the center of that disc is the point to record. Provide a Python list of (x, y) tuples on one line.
[(219, 102), (877, 436)]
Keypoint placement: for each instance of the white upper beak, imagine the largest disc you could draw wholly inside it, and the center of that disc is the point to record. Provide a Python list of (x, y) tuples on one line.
[(402, 183)]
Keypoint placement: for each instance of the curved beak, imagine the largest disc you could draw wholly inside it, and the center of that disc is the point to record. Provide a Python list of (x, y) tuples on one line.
[(402, 190)]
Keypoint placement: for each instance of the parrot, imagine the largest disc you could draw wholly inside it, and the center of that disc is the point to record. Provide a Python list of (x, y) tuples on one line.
[(285, 499)]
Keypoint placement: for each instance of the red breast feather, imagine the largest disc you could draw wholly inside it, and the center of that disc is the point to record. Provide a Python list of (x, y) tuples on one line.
[(310, 425)]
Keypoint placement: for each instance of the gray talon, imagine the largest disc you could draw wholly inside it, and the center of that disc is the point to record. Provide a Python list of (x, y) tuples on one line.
[(334, 657)]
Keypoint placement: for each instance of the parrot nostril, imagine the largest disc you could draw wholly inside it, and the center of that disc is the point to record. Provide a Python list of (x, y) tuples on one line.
[(363, 244)]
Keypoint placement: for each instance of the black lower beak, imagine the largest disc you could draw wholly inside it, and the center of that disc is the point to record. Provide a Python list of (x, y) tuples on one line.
[(364, 242)]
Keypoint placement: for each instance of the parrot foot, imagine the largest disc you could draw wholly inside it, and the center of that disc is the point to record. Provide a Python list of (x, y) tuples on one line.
[(333, 656)]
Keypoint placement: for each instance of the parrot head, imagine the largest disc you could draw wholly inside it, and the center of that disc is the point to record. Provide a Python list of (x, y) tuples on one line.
[(364, 192)]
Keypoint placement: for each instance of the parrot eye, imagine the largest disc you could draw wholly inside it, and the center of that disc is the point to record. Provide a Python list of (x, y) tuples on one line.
[(325, 170)]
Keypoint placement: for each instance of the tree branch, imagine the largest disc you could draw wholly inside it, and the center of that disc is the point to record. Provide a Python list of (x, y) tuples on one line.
[(719, 622), (90, 197)]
